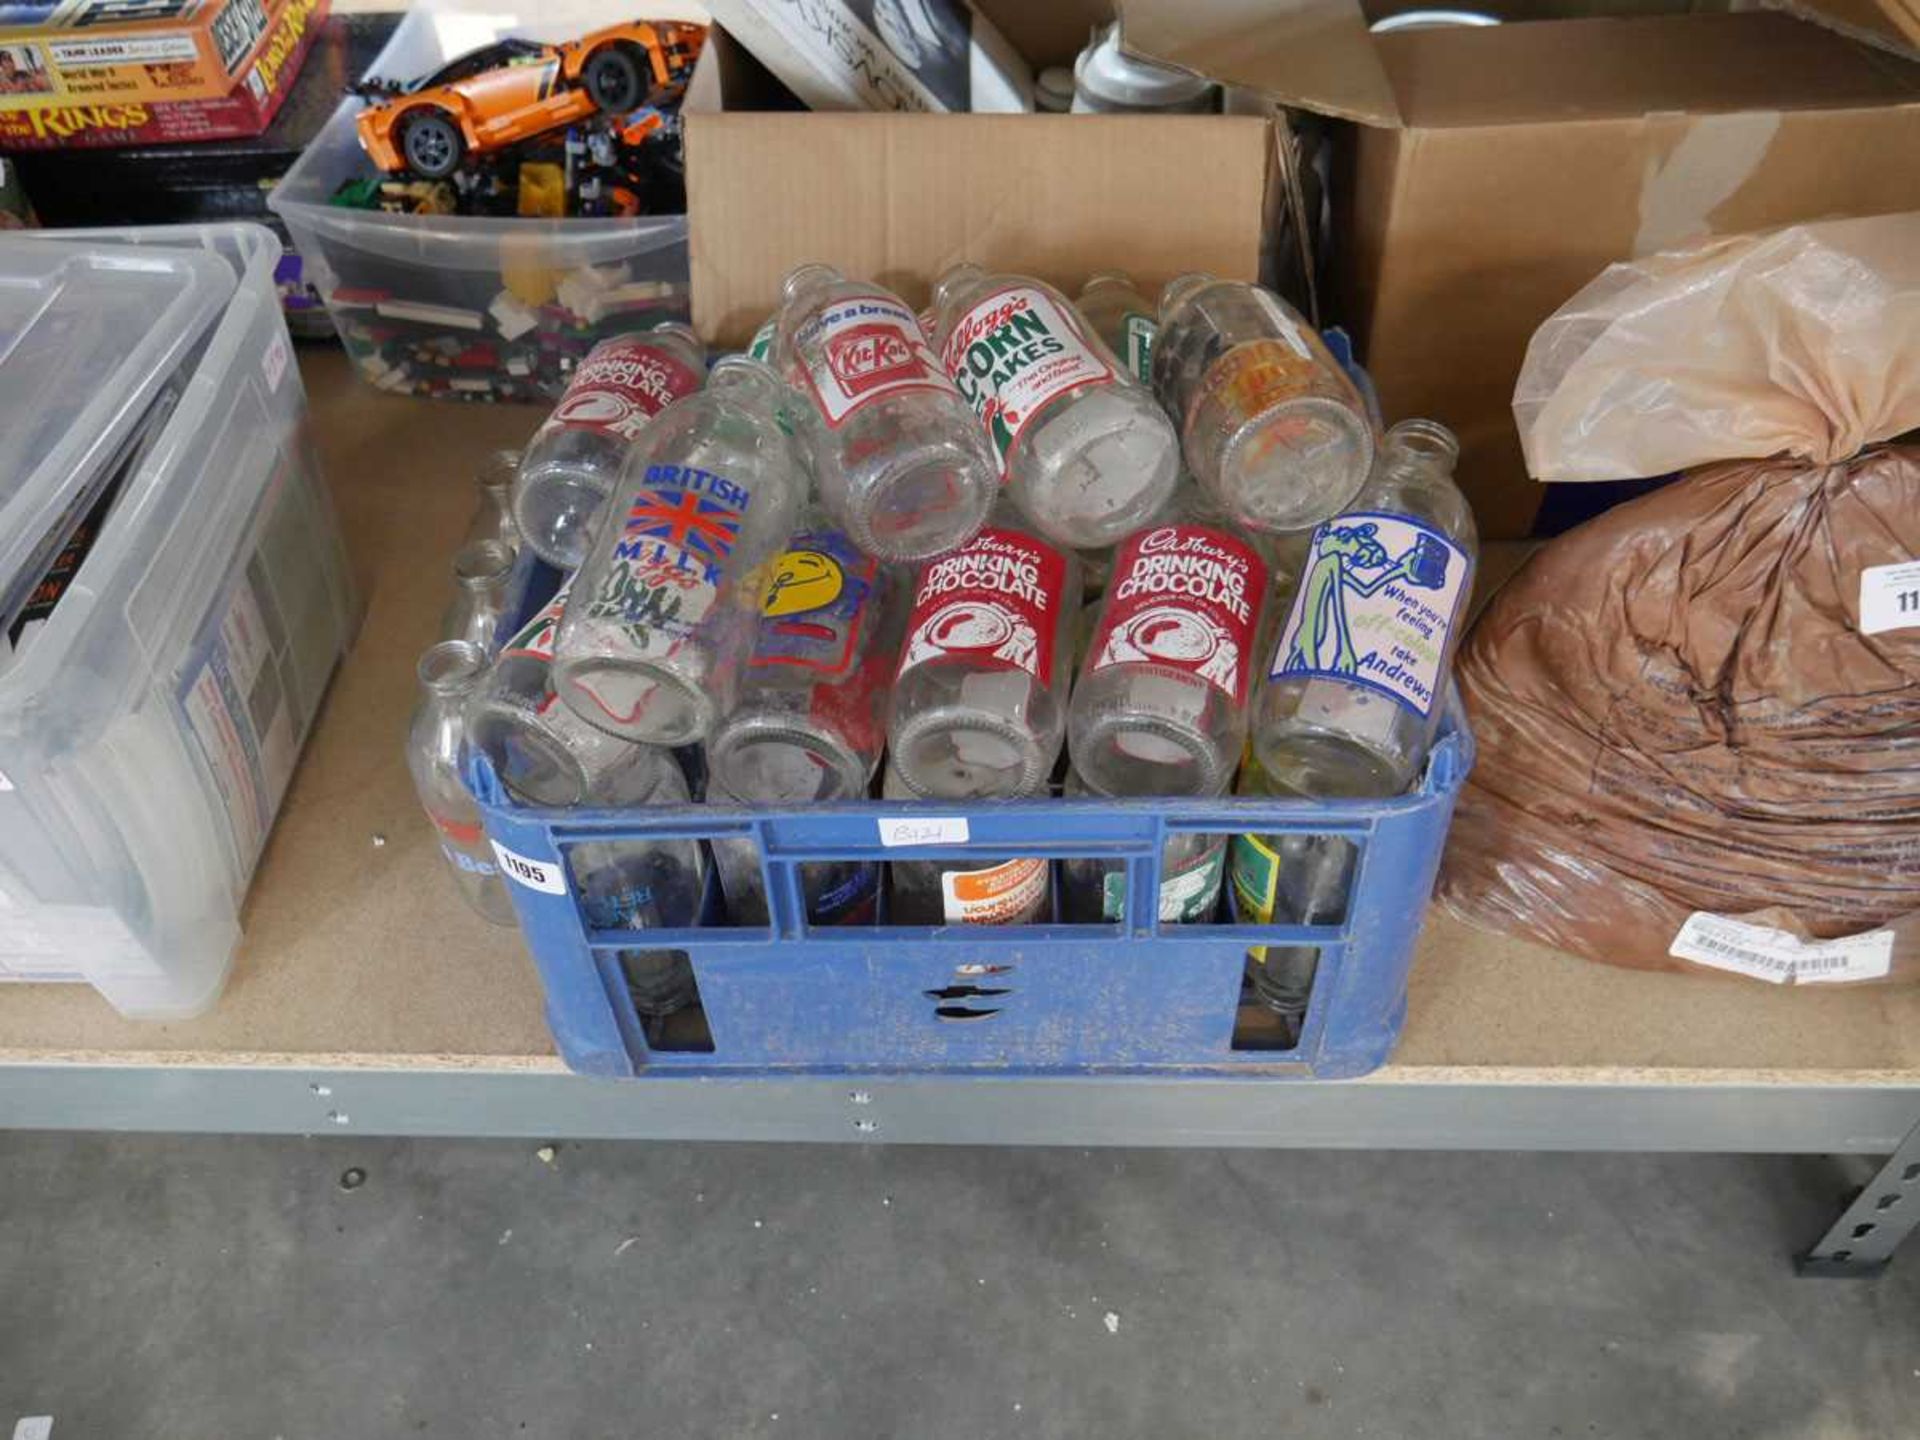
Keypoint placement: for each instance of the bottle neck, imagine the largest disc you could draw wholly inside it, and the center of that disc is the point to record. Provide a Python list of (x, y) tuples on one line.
[(804, 280), (950, 286), (1419, 451), (1181, 288), (451, 669)]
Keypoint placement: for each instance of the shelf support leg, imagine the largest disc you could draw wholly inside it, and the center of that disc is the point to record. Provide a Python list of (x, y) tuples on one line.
[(1862, 1241)]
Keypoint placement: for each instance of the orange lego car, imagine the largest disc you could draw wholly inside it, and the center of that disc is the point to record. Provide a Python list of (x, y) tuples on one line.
[(515, 89)]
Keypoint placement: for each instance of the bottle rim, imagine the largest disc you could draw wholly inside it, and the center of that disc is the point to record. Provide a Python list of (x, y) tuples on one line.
[(1298, 405), (1424, 440), (1206, 758), (451, 667), (498, 469), (745, 731), (741, 369), (961, 272), (1181, 286), (696, 703), (947, 719), (1106, 277)]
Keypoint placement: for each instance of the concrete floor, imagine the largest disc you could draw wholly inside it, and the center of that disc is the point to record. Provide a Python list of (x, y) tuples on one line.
[(217, 1288)]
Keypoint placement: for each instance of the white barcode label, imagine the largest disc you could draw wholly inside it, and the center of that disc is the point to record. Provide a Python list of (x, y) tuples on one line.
[(534, 874), (1779, 956), (33, 1427), (937, 830), (1889, 597)]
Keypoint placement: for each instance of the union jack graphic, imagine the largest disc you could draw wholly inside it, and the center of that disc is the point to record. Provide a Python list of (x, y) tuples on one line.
[(688, 522)]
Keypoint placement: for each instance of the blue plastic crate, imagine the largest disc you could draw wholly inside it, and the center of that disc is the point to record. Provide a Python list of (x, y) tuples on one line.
[(1140, 996)]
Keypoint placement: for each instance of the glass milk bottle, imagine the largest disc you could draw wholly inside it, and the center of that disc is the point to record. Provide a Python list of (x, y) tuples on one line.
[(1087, 452), (1124, 318), (1162, 702), (1273, 429), (483, 581), (979, 704), (436, 749), (662, 613), (1353, 695), (575, 458), (900, 462)]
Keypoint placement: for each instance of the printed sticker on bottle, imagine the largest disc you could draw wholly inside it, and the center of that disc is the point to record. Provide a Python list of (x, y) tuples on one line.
[(861, 348), (993, 603), (818, 594), (667, 569), (622, 384), (1014, 351), (1137, 334), (761, 346), (1186, 895), (1255, 877), (1185, 597), (1260, 374), (855, 900), (1010, 893), (1378, 598), (535, 639)]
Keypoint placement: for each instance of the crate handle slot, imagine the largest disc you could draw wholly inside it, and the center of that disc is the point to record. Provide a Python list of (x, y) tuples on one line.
[(962, 1012)]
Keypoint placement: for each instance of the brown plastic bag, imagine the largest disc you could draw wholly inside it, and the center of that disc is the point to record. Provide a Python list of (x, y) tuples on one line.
[(1676, 707)]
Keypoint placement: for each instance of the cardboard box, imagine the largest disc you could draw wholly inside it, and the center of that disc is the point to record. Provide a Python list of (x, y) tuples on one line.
[(899, 197), (1495, 171), (244, 110), (122, 52)]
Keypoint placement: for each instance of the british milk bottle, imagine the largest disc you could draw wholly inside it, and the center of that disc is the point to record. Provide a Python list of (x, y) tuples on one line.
[(1124, 318), (808, 723), (436, 747), (575, 458), (542, 752), (900, 462), (1273, 429), (1161, 706), (661, 617), (967, 890), (642, 884), (978, 708), (1086, 451), (483, 581), (1093, 889), (1353, 695)]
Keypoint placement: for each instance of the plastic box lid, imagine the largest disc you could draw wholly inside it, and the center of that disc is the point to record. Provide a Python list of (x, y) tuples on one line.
[(90, 334)]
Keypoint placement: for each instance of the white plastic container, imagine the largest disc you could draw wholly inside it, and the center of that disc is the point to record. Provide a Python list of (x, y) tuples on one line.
[(447, 305), (148, 731)]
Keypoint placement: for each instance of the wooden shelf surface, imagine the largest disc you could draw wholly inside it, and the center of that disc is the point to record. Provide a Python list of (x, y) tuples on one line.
[(358, 952)]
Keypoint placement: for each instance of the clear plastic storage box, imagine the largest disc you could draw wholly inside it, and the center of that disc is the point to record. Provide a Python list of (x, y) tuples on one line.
[(471, 307), (150, 722)]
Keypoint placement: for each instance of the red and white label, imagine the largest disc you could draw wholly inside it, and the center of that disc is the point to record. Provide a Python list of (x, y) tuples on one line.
[(862, 347), (994, 603), (1010, 893), (536, 636), (1012, 353), (622, 384), (1186, 597)]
